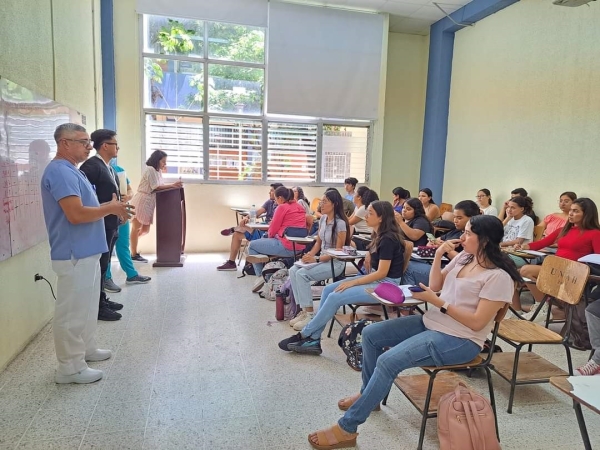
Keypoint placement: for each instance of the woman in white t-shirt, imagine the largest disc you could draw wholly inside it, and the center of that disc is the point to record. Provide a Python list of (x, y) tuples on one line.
[(333, 233), (518, 226), (362, 199), (484, 200), (474, 286)]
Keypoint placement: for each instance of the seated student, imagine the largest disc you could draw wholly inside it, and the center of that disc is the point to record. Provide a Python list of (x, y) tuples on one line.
[(518, 192), (556, 221), (475, 286), (242, 231), (484, 198), (301, 199), (400, 197), (350, 185), (592, 315), (431, 209), (579, 237), (414, 223), (418, 271), (518, 226), (348, 206), (333, 233), (288, 214), (384, 262), (362, 199)]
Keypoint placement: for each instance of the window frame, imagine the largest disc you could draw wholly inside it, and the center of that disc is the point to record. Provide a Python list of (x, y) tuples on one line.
[(264, 117)]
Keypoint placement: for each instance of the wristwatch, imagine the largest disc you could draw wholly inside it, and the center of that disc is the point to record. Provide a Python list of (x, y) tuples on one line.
[(317, 258), (444, 308)]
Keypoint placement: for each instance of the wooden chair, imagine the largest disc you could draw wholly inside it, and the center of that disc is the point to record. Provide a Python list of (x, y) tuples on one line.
[(445, 207), (424, 391), (314, 205), (538, 231), (561, 279), (344, 318)]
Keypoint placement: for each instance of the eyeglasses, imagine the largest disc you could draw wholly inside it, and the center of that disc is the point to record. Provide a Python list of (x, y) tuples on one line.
[(112, 143), (480, 196), (84, 142)]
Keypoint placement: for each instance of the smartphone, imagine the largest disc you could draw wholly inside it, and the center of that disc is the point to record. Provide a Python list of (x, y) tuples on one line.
[(430, 237), (416, 289)]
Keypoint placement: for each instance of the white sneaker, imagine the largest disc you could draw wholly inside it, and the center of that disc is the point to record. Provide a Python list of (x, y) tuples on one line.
[(298, 326), (541, 317), (301, 315), (258, 284), (99, 355), (83, 377)]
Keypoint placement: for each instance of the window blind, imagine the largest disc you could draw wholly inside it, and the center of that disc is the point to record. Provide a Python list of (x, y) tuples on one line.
[(242, 12), (323, 62)]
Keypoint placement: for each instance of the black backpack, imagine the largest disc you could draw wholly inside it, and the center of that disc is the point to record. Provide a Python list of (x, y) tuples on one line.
[(350, 341), (248, 269)]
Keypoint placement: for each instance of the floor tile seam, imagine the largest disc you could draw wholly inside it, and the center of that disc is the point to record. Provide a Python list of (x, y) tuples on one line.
[(37, 413), (50, 439), (162, 326), (113, 357)]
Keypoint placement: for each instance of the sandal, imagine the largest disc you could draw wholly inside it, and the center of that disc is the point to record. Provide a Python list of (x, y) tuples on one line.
[(345, 403), (331, 438)]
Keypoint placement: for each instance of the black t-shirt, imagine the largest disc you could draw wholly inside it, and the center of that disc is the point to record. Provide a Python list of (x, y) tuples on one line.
[(389, 249), (420, 223), (453, 234)]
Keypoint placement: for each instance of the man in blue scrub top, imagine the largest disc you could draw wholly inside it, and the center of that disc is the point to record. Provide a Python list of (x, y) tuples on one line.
[(74, 220)]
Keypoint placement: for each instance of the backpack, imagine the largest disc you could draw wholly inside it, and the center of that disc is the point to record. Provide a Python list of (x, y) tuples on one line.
[(271, 267), (248, 269), (466, 421), (285, 304), (274, 284), (350, 341)]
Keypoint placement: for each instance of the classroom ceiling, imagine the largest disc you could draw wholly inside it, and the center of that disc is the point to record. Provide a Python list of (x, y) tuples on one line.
[(406, 16)]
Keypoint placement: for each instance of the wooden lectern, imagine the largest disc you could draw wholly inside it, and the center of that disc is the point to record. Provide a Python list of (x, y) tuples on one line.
[(170, 227)]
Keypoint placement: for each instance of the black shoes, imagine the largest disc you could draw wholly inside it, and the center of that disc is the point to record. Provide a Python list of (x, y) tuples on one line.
[(283, 345), (107, 310)]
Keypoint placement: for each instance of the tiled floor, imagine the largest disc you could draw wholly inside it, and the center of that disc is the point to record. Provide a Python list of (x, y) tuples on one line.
[(196, 365)]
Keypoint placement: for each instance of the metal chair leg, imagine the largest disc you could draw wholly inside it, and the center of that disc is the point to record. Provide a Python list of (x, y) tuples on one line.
[(492, 399), (582, 428), (513, 380), (569, 360), (330, 328), (426, 410)]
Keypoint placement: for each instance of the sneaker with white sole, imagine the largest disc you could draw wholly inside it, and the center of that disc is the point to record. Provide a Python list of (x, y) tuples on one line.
[(111, 286), (298, 326), (588, 369), (99, 355), (541, 317), (298, 318), (84, 376), (138, 279), (257, 259), (258, 284), (228, 266)]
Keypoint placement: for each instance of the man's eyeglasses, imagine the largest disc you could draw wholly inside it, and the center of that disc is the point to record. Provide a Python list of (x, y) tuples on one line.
[(84, 142), (112, 143)]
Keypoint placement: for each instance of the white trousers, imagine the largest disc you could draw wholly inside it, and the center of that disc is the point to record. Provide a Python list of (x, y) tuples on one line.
[(76, 312)]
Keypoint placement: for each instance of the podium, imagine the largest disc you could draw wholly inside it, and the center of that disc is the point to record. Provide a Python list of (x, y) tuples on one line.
[(170, 227)]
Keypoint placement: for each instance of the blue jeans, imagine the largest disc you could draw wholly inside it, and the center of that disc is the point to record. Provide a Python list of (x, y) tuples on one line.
[(416, 272), (123, 253), (267, 246), (302, 277), (332, 301), (413, 345)]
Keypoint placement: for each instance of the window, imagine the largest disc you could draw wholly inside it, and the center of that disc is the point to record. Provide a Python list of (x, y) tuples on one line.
[(204, 104)]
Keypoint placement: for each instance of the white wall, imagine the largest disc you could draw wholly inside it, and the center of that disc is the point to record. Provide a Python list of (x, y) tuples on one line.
[(404, 112), (525, 105), (26, 29)]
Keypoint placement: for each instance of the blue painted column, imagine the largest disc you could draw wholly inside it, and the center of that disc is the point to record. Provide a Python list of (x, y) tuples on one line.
[(439, 76), (108, 64)]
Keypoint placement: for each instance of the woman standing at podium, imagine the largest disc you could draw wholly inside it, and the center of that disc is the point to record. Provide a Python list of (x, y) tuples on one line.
[(145, 199)]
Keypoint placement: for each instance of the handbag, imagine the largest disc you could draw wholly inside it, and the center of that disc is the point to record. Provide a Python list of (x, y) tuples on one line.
[(425, 251)]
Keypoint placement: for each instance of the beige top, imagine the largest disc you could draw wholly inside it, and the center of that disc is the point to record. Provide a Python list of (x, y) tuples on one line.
[(491, 284)]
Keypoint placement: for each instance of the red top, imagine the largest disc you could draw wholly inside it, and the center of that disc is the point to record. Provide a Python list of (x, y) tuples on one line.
[(287, 215), (573, 245)]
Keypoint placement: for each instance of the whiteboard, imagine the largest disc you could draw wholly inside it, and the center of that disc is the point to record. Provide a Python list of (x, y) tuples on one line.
[(27, 124)]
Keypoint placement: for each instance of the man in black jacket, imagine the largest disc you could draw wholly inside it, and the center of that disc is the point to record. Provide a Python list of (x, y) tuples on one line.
[(106, 183)]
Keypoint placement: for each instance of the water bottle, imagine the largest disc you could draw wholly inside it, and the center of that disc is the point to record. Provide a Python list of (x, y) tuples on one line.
[(253, 214)]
